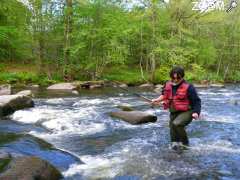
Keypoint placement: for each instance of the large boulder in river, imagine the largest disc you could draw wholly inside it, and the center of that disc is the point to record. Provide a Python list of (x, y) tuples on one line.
[(12, 103), (30, 168), (5, 89), (63, 87), (134, 117)]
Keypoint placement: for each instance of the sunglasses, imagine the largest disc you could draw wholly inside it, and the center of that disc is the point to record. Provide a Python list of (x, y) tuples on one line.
[(176, 78)]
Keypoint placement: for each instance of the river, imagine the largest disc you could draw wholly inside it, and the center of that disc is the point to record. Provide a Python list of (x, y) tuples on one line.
[(92, 145)]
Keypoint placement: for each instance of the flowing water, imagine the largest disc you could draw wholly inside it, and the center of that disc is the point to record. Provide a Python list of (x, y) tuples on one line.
[(101, 147)]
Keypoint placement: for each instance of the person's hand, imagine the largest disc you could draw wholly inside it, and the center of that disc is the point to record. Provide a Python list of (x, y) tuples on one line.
[(155, 102), (195, 115)]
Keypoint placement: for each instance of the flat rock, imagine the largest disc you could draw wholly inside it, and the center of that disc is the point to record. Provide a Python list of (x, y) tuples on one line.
[(35, 86), (217, 85), (157, 90), (5, 89), (91, 84), (63, 86), (123, 85), (201, 85), (158, 86), (134, 117), (11, 103), (30, 168), (75, 92), (147, 85), (95, 86), (25, 93)]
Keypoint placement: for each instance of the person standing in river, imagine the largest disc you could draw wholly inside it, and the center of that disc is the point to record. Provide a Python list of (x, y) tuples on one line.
[(184, 104)]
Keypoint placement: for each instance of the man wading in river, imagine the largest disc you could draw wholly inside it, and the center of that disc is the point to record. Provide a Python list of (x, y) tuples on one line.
[(184, 105)]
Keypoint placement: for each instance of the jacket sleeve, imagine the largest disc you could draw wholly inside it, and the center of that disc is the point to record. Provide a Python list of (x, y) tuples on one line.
[(194, 99), (164, 85)]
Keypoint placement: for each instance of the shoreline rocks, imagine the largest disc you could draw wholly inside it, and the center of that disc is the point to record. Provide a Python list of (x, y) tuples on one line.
[(63, 86), (146, 86), (5, 89), (25, 93), (11, 103)]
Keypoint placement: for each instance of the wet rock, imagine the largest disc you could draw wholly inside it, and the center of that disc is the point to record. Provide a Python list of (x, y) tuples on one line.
[(134, 117), (204, 82), (25, 93), (94, 86), (157, 90), (11, 103), (35, 86), (159, 86), (5, 89), (147, 85), (201, 85), (6, 138), (29, 168), (123, 85), (91, 84), (63, 86), (75, 92), (225, 172), (217, 85)]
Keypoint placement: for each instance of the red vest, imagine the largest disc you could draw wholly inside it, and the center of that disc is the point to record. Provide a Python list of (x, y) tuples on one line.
[(179, 101)]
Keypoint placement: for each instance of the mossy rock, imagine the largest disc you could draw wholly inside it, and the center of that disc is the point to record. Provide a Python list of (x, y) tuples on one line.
[(8, 137), (3, 163)]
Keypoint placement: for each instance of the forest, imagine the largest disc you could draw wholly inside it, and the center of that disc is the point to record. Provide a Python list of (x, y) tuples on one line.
[(45, 41)]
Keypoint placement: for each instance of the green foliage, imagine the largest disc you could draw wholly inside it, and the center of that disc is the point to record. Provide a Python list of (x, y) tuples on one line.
[(196, 73), (162, 74), (108, 34), (22, 77), (129, 75)]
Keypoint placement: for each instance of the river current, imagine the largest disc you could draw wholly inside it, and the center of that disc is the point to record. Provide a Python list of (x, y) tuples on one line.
[(108, 148)]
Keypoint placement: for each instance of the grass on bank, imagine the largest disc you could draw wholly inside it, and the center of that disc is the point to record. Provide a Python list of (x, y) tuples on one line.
[(27, 74)]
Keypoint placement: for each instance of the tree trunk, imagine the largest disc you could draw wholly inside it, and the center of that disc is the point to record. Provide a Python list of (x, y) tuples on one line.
[(67, 34), (152, 59), (141, 57)]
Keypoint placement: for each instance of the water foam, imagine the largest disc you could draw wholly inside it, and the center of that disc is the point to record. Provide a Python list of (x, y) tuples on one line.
[(95, 167)]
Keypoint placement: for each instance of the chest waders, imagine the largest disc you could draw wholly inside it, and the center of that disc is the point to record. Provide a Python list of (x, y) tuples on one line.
[(177, 124)]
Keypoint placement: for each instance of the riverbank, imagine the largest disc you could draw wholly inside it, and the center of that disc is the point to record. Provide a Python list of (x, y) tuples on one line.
[(27, 74)]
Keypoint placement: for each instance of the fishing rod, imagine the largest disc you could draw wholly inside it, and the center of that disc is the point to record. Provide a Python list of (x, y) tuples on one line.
[(136, 94), (133, 93)]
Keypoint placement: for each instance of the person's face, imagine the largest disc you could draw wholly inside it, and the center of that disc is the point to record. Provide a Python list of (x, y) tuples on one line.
[(176, 79)]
